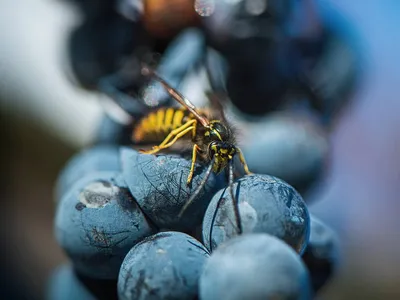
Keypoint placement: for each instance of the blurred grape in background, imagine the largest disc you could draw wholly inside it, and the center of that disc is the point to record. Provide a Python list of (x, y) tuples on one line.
[(51, 108)]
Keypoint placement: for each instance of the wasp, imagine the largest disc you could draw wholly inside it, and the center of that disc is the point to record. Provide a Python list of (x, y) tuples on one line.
[(212, 138)]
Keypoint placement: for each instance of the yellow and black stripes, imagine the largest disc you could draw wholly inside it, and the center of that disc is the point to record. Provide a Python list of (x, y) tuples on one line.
[(158, 124), (174, 135)]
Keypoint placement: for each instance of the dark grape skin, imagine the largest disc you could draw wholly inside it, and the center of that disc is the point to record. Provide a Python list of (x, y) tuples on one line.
[(98, 44), (266, 205), (183, 55), (112, 132), (289, 145), (158, 183), (273, 61), (262, 64), (65, 284), (137, 95), (97, 222), (164, 266), (254, 266), (94, 159), (322, 253)]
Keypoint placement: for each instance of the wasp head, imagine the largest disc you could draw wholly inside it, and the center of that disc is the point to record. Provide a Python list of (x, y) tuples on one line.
[(221, 146), (222, 152)]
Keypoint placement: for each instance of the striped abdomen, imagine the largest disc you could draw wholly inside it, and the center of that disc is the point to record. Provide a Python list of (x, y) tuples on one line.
[(158, 124)]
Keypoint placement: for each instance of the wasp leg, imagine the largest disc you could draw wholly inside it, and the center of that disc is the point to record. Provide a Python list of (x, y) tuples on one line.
[(243, 161), (177, 131), (194, 156), (181, 134), (169, 137), (198, 189), (235, 202)]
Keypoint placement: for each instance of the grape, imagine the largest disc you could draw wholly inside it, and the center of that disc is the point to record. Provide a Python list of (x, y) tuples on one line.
[(164, 266), (340, 60), (254, 266), (321, 255), (262, 66), (158, 183), (275, 60), (98, 158), (97, 223), (266, 205), (288, 146), (111, 132), (66, 284), (182, 56), (97, 46)]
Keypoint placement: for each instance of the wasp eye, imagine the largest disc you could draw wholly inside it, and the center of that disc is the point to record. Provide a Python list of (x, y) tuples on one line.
[(221, 129)]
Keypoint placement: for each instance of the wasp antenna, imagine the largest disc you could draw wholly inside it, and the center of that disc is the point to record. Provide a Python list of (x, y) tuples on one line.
[(198, 189), (234, 202)]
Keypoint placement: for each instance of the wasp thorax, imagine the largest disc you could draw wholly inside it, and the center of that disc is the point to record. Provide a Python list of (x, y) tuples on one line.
[(217, 131)]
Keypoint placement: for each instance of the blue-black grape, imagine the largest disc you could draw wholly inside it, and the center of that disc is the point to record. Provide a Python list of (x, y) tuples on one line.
[(274, 60), (288, 146), (254, 266), (112, 132), (266, 205), (182, 56), (322, 253), (158, 183), (164, 266), (98, 158), (97, 223), (262, 65), (97, 46)]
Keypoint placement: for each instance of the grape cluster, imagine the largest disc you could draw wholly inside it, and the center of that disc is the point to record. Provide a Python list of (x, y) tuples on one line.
[(117, 211), (117, 220)]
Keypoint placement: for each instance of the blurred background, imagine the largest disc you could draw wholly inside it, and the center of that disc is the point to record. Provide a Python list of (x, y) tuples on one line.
[(313, 82)]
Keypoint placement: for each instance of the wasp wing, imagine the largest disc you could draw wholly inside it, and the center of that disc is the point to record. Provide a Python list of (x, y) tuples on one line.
[(146, 71)]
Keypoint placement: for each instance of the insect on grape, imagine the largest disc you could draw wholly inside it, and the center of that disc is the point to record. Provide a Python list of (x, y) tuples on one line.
[(212, 138)]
